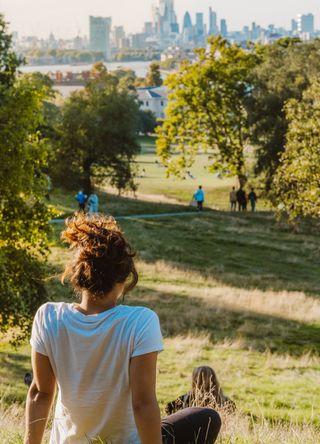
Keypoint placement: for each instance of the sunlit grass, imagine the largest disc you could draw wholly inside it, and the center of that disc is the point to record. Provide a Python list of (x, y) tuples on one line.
[(234, 291)]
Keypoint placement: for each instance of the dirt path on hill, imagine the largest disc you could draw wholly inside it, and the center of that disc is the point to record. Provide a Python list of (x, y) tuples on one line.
[(155, 198)]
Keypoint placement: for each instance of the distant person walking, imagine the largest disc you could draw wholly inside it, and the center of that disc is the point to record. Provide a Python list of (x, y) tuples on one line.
[(81, 198), (233, 199), (241, 199), (199, 198), (252, 199), (93, 203)]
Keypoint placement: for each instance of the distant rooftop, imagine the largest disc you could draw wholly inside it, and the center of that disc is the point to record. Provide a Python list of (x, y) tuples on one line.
[(156, 92)]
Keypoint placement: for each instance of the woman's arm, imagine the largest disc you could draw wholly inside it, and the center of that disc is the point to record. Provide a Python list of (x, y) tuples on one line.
[(144, 402), (40, 398)]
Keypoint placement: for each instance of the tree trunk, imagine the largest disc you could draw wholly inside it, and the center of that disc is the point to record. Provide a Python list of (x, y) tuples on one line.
[(87, 183), (242, 179)]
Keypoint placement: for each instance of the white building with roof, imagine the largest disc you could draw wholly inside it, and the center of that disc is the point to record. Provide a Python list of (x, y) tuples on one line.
[(154, 99)]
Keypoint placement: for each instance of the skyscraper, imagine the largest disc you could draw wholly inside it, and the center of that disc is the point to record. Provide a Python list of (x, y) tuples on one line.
[(118, 35), (294, 25), (223, 28), (148, 28), (305, 23), (200, 29), (187, 30), (165, 18), (187, 23), (255, 30), (213, 26), (100, 28)]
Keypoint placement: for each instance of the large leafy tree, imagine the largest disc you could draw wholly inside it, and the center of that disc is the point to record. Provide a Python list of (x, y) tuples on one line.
[(206, 111), (98, 135), (153, 77), (284, 70), (23, 213), (297, 180)]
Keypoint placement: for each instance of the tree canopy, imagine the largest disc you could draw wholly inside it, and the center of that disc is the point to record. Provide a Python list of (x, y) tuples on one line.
[(297, 179), (206, 110), (23, 184), (283, 71), (153, 77), (97, 135)]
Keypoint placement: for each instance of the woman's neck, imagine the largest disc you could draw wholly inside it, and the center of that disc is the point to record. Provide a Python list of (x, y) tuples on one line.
[(90, 305)]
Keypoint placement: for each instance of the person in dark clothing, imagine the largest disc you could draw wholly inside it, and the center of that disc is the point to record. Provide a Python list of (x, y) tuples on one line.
[(206, 391), (252, 199), (241, 199)]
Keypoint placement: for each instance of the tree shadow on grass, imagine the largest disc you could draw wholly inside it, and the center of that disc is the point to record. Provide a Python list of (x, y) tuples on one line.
[(182, 315), (115, 205), (239, 250)]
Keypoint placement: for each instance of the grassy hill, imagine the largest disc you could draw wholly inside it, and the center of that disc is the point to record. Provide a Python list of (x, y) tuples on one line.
[(153, 179), (238, 292)]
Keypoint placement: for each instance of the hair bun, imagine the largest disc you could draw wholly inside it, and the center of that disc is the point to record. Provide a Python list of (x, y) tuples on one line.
[(103, 258)]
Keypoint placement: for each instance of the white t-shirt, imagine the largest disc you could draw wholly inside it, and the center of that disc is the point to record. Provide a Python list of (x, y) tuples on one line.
[(90, 356)]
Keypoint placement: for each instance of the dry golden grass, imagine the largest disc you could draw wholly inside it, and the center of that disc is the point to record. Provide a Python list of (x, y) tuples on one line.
[(287, 304), (262, 342)]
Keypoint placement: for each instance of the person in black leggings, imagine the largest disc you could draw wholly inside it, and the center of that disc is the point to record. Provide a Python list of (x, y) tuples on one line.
[(193, 425)]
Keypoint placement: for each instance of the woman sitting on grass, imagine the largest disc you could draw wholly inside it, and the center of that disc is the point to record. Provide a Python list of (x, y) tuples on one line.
[(206, 392), (102, 356)]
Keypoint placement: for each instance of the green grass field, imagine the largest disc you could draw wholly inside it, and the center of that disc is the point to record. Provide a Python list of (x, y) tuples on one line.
[(239, 292), (153, 181)]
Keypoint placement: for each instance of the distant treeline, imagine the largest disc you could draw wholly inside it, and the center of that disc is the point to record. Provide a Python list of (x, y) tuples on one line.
[(60, 56), (136, 56)]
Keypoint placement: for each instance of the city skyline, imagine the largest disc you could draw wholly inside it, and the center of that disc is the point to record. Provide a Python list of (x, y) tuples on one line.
[(66, 19)]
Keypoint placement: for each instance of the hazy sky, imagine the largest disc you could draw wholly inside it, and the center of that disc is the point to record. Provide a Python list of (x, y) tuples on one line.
[(66, 17)]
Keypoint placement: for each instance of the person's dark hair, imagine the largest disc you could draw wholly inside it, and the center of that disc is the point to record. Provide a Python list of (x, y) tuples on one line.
[(103, 257), (200, 187)]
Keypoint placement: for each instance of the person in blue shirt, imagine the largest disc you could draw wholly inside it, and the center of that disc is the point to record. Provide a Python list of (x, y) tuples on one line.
[(199, 198), (81, 198)]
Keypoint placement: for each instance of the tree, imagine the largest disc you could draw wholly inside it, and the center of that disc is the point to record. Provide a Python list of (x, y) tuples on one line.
[(147, 122), (283, 71), (23, 213), (9, 61), (127, 78), (97, 135), (153, 77), (98, 69), (297, 179), (206, 111)]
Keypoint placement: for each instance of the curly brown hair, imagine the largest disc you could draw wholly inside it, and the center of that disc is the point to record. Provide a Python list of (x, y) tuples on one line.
[(103, 256)]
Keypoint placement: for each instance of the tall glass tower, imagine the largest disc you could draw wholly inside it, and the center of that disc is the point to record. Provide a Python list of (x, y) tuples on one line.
[(168, 18), (100, 28)]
